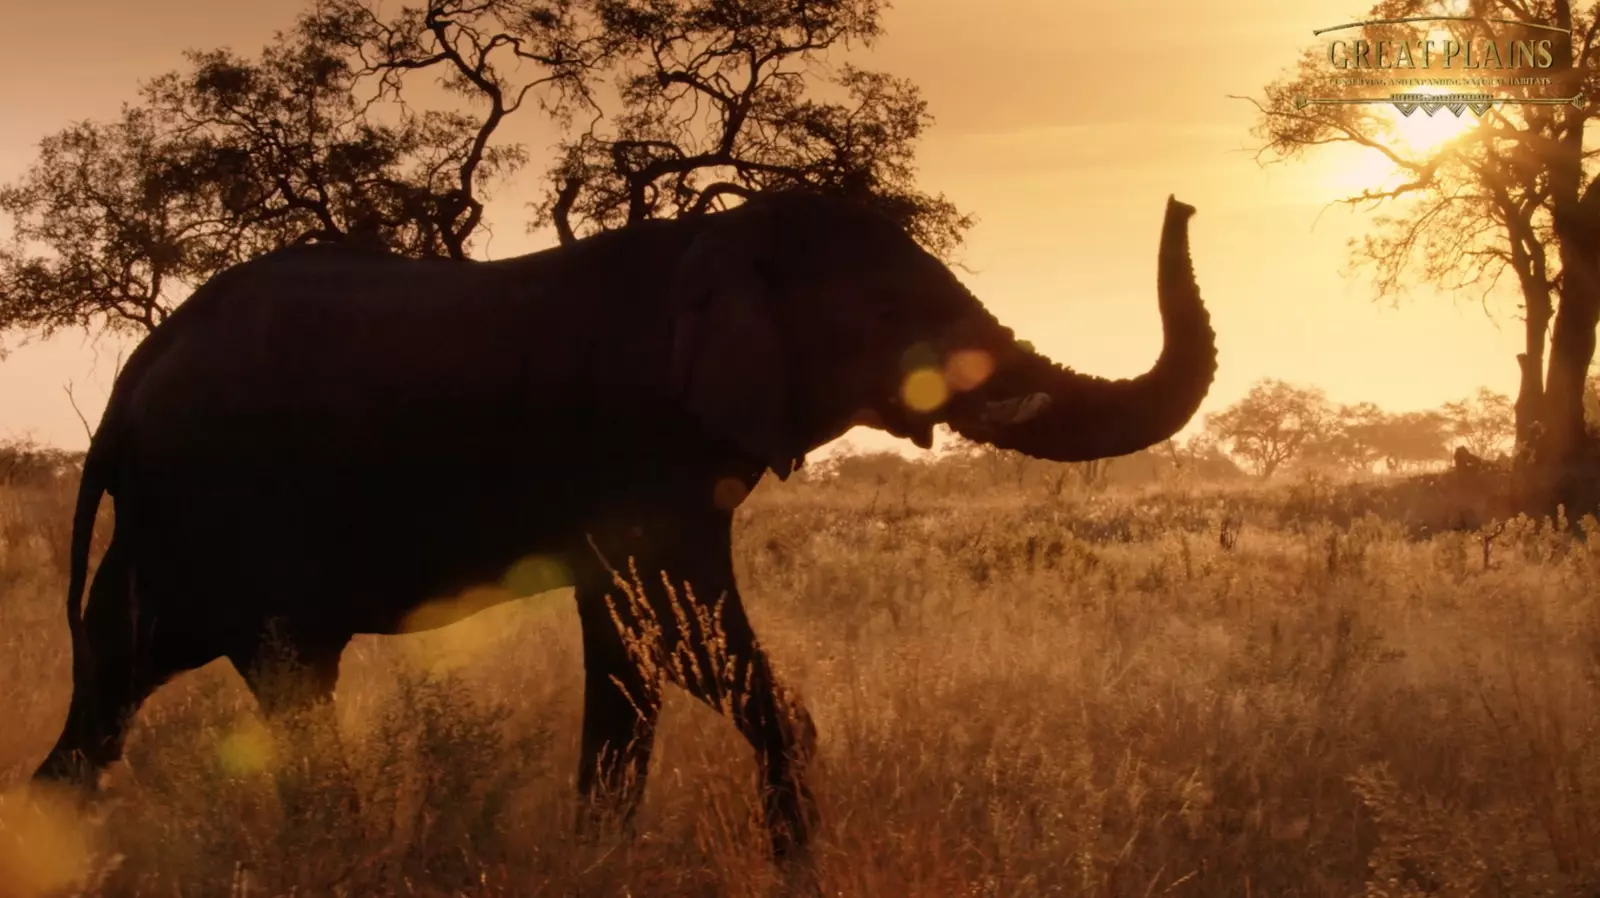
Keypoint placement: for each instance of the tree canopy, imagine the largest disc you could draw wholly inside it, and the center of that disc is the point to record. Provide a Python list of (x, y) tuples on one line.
[(665, 107)]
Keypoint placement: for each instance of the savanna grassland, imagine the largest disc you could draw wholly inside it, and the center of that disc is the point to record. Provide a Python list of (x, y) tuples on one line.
[(1182, 689)]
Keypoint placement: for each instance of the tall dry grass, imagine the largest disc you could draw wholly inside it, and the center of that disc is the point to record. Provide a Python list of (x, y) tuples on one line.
[(1017, 696)]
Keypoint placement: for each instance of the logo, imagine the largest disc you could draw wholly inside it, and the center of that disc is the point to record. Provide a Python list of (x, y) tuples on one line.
[(1433, 63)]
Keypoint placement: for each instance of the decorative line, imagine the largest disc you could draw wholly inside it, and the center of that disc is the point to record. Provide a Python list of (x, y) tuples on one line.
[(1431, 103), (1322, 31)]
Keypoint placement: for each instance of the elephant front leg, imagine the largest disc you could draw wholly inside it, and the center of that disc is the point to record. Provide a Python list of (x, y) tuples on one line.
[(699, 637), (620, 709), (711, 651), (769, 716)]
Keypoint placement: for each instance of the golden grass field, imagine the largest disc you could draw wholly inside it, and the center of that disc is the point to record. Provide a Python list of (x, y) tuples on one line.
[(1018, 692)]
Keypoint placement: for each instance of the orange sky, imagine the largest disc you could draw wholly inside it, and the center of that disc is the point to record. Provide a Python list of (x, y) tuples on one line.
[(1066, 170)]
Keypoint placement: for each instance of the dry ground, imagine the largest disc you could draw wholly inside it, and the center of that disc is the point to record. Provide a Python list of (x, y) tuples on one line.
[(1037, 695)]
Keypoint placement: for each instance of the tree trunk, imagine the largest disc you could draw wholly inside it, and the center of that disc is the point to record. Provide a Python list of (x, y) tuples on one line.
[(1558, 442), (1572, 343), (1530, 399), (1569, 477)]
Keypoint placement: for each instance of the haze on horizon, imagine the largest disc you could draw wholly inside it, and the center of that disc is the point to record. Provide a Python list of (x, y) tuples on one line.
[(1066, 170)]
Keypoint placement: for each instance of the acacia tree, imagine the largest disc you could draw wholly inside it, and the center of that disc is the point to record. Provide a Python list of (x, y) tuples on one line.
[(687, 103), (716, 99), (231, 157), (1512, 195), (323, 138), (1275, 423), (123, 221)]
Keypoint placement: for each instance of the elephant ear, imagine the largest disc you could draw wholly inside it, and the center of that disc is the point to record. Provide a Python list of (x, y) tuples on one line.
[(729, 362)]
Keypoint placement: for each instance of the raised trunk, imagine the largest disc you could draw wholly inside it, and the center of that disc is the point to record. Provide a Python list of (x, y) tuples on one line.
[(1046, 410)]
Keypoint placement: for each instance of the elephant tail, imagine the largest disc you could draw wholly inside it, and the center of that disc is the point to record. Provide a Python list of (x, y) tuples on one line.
[(94, 483)]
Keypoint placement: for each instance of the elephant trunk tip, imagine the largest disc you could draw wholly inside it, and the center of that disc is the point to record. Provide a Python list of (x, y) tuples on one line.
[(1088, 417)]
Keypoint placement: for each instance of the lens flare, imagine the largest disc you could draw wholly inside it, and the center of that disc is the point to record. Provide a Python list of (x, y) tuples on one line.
[(924, 390), (246, 749), (968, 369), (535, 574), (728, 493)]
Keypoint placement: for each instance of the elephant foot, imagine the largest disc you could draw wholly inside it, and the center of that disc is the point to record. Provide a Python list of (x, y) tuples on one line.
[(797, 874)]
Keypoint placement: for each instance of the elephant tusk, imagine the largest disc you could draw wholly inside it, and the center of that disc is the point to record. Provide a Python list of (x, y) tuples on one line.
[(1022, 409)]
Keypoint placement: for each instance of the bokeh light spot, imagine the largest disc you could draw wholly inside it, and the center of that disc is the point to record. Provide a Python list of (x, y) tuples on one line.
[(728, 493), (535, 574), (44, 845), (924, 390), (245, 749), (968, 369)]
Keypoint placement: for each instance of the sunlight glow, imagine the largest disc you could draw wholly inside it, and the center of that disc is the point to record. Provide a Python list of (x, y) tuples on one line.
[(1353, 170), (535, 574), (444, 612), (44, 845), (1420, 133)]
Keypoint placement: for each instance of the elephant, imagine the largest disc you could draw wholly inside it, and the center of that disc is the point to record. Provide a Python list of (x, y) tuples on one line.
[(330, 440)]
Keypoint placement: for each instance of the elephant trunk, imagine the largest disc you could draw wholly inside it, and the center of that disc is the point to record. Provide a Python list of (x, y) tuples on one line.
[(1046, 410)]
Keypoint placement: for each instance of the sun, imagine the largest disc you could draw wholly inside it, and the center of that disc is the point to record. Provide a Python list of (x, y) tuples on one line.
[(1352, 169), (1420, 134)]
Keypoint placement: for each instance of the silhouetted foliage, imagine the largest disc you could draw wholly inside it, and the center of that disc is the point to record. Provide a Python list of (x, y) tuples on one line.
[(122, 222), (716, 99), (492, 57), (683, 105), (222, 161)]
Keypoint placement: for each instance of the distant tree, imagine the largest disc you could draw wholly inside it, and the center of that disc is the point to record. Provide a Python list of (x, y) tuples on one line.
[(1200, 457), (1273, 424), (1347, 441), (1408, 439), (1485, 424), (1515, 194)]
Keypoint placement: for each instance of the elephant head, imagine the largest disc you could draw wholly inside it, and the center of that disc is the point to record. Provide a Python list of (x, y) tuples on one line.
[(799, 316)]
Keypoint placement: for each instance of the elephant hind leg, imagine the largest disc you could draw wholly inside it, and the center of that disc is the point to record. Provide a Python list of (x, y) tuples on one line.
[(126, 653)]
